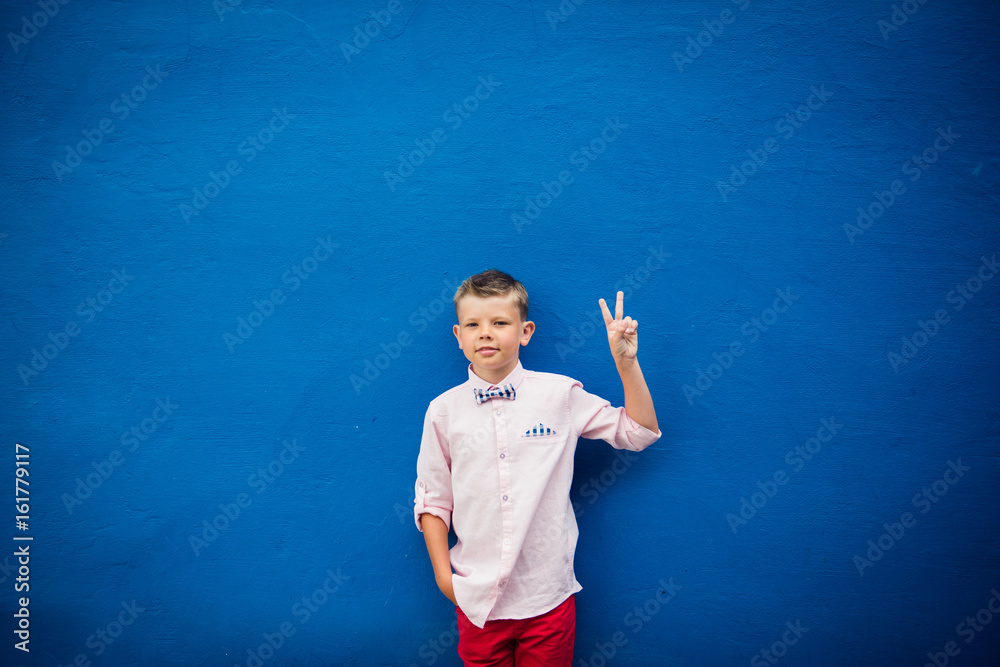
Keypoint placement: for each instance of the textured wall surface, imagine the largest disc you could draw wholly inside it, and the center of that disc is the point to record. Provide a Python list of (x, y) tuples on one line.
[(230, 236)]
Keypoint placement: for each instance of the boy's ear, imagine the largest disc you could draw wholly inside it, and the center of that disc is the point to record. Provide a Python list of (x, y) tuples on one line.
[(526, 330), (455, 329)]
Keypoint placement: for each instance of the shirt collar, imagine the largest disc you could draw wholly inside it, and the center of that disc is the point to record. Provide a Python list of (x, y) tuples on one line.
[(513, 378)]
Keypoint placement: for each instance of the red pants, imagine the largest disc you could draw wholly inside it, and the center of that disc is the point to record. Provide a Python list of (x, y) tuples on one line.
[(541, 641)]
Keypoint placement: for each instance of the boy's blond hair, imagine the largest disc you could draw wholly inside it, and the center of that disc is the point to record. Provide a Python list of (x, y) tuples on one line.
[(494, 282)]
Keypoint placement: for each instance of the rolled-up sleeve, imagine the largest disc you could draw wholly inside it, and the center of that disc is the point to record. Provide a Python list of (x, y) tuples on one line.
[(595, 418), (433, 493)]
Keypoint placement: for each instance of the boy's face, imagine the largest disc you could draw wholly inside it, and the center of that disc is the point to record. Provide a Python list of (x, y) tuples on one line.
[(489, 332)]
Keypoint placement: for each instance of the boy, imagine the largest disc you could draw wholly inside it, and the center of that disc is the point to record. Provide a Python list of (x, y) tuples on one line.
[(496, 463)]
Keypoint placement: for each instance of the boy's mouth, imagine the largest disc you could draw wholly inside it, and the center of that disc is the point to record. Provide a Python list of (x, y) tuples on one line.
[(487, 351)]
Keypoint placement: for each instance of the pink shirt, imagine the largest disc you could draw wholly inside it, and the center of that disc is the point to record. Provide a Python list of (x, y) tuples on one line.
[(500, 474)]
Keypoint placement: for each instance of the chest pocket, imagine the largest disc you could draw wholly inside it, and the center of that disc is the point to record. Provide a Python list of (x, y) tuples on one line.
[(540, 430)]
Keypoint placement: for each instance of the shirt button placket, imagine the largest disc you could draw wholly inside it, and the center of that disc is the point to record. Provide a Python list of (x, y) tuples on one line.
[(506, 513)]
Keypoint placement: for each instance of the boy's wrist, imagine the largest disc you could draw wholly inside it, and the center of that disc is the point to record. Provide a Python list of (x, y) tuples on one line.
[(626, 365), (443, 576)]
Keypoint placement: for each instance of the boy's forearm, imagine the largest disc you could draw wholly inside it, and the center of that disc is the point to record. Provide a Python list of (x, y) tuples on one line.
[(436, 537), (638, 401)]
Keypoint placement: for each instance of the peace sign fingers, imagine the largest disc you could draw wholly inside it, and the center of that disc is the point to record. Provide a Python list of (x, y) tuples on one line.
[(618, 308)]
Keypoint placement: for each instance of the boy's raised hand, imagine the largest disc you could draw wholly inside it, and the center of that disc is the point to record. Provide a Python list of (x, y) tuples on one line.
[(622, 338)]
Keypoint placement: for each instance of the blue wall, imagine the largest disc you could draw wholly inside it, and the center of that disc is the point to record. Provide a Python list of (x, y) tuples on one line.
[(230, 238)]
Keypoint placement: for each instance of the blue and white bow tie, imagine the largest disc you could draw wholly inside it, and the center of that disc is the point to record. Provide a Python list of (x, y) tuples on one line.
[(506, 391)]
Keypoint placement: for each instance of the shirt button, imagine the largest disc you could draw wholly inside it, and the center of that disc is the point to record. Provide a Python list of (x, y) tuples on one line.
[(505, 497), (501, 456), (498, 413), (502, 583), (506, 540)]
